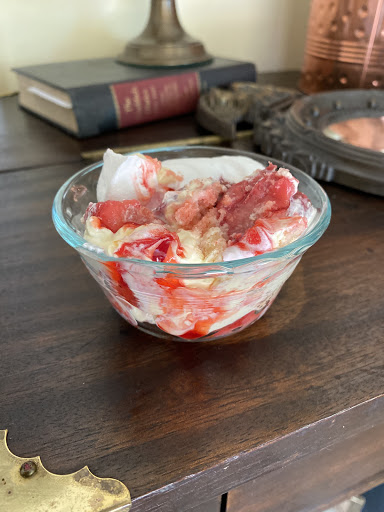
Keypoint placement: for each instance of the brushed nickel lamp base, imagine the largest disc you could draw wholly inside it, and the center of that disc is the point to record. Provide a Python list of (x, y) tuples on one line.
[(164, 43)]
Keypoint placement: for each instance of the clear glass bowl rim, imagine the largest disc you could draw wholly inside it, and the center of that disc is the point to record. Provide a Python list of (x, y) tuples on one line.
[(308, 239)]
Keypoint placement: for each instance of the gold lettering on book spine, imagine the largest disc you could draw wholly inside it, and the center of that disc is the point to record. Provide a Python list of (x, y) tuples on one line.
[(154, 98), (136, 99), (127, 106), (116, 105), (147, 101)]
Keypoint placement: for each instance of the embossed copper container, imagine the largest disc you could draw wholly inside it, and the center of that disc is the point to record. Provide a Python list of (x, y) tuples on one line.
[(345, 46)]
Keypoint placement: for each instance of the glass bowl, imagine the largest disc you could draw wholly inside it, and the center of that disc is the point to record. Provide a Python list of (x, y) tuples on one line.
[(187, 301)]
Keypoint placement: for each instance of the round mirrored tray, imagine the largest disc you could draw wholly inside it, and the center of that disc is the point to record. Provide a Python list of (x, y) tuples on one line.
[(334, 136)]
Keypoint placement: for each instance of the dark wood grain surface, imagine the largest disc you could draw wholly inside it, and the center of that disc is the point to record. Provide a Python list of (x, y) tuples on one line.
[(181, 423), (210, 506), (319, 481), (27, 141)]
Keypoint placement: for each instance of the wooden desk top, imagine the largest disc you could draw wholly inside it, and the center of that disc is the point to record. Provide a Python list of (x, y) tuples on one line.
[(183, 423)]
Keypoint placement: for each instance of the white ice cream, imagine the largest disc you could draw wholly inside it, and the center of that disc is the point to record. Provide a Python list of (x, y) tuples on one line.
[(112, 162), (231, 168), (120, 176), (133, 177)]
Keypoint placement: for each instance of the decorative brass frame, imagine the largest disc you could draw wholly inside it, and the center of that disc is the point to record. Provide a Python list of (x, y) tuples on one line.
[(25, 484)]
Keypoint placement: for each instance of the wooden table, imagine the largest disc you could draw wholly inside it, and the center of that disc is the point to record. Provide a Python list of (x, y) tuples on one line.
[(286, 416)]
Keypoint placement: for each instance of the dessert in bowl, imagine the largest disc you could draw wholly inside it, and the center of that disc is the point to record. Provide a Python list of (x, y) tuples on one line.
[(191, 243)]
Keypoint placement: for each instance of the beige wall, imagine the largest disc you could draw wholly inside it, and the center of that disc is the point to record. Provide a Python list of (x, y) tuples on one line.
[(270, 33)]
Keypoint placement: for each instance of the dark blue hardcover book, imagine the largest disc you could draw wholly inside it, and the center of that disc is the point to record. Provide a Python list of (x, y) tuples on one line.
[(89, 97)]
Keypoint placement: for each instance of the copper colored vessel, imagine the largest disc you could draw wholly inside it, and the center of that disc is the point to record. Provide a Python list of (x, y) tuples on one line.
[(345, 46)]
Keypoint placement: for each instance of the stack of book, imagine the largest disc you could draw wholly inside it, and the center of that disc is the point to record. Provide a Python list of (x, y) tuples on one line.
[(89, 97)]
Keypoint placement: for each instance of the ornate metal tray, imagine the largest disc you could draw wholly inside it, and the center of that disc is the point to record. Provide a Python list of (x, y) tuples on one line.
[(334, 136)]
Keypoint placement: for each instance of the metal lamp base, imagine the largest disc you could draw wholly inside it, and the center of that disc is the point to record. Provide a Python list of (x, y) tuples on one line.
[(164, 43)]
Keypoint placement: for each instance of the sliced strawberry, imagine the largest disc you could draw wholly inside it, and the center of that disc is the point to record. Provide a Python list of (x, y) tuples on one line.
[(200, 329), (153, 242), (114, 214), (268, 234), (238, 325), (188, 325), (261, 195), (120, 287)]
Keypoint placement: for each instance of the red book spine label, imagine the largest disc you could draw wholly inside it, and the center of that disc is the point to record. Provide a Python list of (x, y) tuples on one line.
[(156, 98)]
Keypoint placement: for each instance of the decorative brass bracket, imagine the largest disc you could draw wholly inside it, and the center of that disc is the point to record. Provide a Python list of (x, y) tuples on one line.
[(25, 484)]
